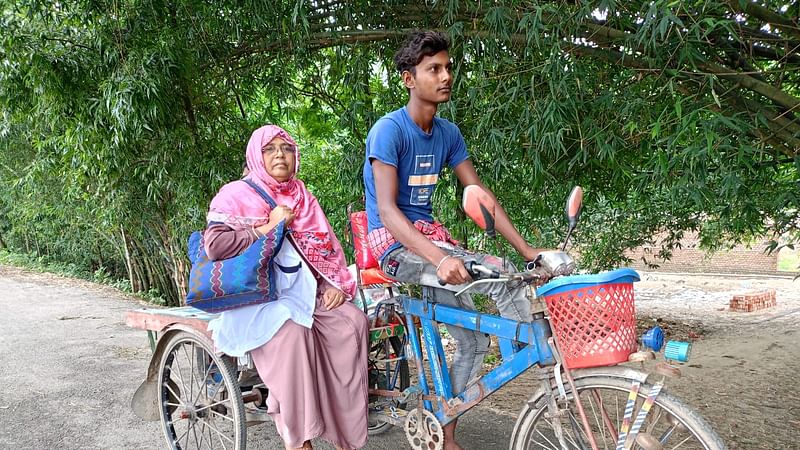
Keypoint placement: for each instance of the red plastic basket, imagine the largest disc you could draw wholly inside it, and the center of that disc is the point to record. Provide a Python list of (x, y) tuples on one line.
[(595, 325)]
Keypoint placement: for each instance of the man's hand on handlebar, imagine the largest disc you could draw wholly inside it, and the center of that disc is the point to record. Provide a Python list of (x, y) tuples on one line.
[(452, 271)]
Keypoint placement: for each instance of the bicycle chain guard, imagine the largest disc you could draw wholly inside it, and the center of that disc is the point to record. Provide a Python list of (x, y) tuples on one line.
[(423, 430)]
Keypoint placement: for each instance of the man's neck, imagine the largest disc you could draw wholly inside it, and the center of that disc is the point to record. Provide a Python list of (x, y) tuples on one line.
[(422, 113)]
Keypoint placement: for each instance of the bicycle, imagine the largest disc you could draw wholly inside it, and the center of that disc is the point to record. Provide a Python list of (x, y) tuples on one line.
[(595, 330)]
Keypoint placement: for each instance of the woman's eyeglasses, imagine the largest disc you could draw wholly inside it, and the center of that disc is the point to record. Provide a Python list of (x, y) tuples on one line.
[(272, 150)]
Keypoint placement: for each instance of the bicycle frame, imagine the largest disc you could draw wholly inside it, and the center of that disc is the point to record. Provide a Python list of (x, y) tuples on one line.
[(516, 359)]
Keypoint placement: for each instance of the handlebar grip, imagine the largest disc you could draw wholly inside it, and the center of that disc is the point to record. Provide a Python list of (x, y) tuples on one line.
[(469, 266)]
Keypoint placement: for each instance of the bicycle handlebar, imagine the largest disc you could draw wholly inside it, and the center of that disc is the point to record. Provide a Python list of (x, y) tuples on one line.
[(483, 274)]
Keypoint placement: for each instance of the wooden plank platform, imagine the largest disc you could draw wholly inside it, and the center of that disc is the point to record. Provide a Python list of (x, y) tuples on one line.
[(157, 319)]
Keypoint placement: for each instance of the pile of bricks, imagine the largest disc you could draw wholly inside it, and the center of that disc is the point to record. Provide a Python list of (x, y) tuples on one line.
[(753, 301)]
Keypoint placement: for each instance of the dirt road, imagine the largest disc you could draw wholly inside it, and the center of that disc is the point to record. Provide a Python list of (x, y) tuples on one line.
[(70, 366)]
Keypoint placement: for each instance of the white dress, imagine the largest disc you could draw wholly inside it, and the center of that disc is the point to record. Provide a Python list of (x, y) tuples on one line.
[(237, 331)]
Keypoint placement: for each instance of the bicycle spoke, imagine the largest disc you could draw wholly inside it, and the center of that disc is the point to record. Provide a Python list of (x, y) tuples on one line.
[(204, 382), (202, 427), (185, 433), (576, 428), (609, 425), (169, 388), (224, 416), (221, 442), (595, 404), (178, 438), (545, 438), (209, 421), (210, 436), (219, 433), (211, 405), (192, 370), (194, 431), (573, 439), (178, 371), (681, 443)]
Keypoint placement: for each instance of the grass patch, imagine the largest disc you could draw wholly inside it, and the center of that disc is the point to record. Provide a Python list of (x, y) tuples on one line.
[(789, 260)]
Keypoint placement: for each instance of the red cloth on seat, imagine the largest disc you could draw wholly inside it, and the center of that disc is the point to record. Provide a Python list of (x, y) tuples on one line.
[(366, 263), (364, 257)]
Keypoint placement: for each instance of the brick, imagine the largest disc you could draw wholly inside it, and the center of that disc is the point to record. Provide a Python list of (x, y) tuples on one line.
[(753, 301)]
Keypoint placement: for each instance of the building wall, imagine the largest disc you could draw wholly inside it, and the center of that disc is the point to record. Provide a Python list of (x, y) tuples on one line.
[(690, 259)]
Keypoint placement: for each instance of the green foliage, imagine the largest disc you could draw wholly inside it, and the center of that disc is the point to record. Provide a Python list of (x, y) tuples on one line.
[(120, 120), (45, 264)]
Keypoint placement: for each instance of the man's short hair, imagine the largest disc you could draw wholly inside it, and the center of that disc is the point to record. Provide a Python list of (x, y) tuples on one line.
[(418, 45)]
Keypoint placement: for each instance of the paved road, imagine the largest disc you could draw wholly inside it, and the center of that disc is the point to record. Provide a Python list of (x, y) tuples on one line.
[(70, 365)]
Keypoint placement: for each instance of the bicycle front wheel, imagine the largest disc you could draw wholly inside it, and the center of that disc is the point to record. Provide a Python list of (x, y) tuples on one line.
[(670, 424)]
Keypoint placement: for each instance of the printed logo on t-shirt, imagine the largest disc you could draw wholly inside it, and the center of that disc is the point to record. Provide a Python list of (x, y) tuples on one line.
[(421, 195), (423, 181), (423, 164)]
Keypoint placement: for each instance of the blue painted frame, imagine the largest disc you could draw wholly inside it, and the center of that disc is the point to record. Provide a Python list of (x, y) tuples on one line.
[(516, 358)]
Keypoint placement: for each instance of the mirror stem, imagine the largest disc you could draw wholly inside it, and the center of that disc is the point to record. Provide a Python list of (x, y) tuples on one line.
[(569, 233)]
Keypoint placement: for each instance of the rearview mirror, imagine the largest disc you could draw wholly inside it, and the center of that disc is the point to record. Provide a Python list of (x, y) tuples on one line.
[(574, 206), (480, 207), (573, 211)]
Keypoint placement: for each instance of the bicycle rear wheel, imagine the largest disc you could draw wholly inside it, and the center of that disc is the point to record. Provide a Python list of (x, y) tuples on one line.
[(199, 397), (670, 422)]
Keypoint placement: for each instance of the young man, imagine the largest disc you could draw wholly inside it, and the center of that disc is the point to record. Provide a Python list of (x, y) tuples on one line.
[(406, 151)]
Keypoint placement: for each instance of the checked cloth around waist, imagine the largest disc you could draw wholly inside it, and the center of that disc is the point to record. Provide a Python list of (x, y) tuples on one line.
[(380, 240)]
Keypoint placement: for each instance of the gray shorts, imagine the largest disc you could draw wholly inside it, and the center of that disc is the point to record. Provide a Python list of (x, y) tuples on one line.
[(513, 300)]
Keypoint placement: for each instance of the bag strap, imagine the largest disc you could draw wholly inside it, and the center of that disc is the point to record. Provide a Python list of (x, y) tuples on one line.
[(261, 192)]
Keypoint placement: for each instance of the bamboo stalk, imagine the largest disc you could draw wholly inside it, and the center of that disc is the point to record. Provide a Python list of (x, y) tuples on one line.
[(127, 256)]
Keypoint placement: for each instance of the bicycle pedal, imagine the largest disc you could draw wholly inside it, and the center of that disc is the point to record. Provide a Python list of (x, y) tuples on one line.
[(393, 416)]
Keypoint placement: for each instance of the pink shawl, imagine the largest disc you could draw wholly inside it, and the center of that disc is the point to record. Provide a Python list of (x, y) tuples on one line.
[(240, 207)]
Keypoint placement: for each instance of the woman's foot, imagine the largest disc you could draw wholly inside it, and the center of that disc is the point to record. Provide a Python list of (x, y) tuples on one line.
[(306, 446)]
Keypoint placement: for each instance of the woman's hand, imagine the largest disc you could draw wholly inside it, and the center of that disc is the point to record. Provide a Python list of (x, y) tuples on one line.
[(281, 212), (333, 298)]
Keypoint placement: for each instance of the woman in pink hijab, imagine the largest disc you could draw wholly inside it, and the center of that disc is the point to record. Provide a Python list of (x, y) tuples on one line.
[(310, 345)]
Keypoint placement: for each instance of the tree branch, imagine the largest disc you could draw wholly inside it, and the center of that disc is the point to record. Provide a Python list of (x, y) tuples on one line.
[(768, 16)]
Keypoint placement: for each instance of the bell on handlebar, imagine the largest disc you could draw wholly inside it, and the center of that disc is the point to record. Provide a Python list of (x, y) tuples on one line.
[(556, 263)]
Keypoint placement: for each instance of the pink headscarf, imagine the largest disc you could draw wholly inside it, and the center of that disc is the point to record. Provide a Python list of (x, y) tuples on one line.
[(240, 207)]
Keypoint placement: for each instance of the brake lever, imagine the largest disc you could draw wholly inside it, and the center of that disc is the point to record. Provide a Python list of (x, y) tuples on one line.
[(474, 269), (483, 281)]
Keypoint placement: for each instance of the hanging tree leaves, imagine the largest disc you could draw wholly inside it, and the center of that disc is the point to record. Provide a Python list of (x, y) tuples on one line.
[(120, 120)]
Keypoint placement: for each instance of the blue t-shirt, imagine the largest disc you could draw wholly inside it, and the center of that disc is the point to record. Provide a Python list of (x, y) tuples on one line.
[(419, 158)]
